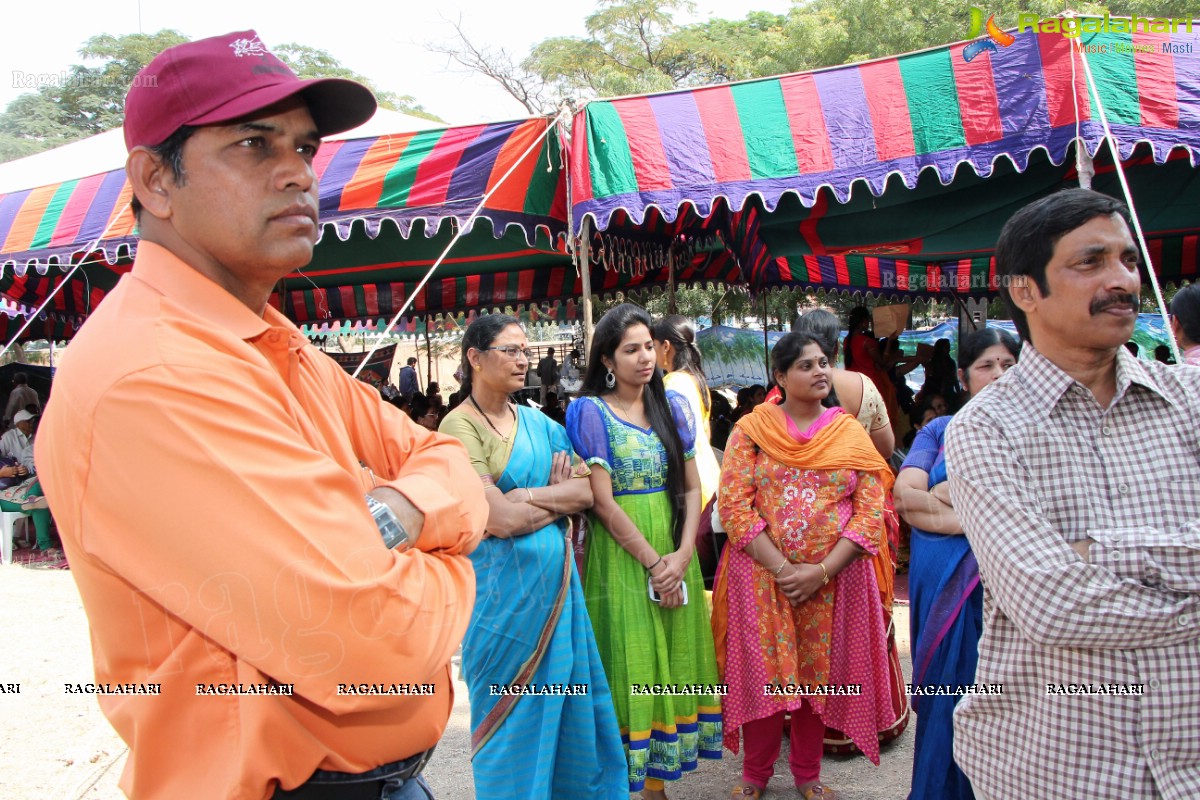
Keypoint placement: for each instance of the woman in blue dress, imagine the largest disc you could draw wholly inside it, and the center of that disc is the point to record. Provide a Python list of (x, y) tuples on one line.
[(946, 616), (542, 719)]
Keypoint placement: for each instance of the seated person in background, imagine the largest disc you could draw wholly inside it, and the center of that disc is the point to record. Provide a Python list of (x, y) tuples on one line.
[(1162, 354), (1133, 349), (423, 412), (21, 397), (922, 415), (18, 437), (23, 492)]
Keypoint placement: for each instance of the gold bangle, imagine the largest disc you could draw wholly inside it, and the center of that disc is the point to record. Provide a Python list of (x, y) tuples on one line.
[(779, 569), (824, 573)]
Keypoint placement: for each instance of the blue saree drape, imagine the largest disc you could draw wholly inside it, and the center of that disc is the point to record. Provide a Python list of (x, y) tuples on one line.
[(548, 744), (947, 619)]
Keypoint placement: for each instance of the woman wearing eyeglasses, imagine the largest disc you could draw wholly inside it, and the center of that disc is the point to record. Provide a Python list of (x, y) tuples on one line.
[(642, 580), (529, 631)]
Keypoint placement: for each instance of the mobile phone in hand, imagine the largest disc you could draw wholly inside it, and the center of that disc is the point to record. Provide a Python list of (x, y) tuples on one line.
[(658, 599)]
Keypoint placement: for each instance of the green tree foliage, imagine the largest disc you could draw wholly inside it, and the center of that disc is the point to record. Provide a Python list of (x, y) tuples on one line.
[(81, 101), (637, 46), (84, 100), (312, 62)]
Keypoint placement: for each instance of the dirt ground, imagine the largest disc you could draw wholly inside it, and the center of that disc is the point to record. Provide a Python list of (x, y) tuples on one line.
[(55, 745)]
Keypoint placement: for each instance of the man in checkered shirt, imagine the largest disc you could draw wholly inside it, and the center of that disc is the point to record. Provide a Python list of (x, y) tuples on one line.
[(1077, 480)]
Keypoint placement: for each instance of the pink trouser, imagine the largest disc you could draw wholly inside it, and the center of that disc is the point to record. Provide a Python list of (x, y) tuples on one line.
[(762, 739)]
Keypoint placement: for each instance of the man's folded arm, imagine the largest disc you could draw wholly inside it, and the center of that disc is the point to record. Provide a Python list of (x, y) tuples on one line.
[(220, 510), (1169, 559), (431, 469), (1042, 585)]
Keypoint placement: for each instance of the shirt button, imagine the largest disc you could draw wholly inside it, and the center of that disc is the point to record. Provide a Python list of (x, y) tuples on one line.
[(1123, 488), (1116, 555), (1107, 431), (1184, 620), (1115, 538), (1154, 683), (1154, 752)]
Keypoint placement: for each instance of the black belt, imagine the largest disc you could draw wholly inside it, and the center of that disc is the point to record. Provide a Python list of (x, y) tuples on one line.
[(327, 785)]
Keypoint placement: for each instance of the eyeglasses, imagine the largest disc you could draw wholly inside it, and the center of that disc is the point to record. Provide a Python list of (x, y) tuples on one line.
[(512, 351)]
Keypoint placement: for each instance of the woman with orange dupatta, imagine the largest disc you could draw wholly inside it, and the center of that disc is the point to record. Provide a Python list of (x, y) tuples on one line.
[(797, 621)]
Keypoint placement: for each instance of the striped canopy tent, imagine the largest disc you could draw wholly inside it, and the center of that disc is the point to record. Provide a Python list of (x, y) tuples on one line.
[(894, 176), (389, 204)]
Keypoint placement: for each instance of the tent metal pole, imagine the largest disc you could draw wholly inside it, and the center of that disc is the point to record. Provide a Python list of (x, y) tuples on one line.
[(766, 347), (671, 281), (585, 278)]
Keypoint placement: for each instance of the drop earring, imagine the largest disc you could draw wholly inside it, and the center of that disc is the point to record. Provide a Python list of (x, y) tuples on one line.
[(610, 380)]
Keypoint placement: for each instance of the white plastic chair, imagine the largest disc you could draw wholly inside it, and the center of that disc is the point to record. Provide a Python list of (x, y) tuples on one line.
[(8, 523)]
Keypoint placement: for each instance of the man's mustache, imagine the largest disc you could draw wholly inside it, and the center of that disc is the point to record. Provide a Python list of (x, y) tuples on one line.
[(1114, 299)]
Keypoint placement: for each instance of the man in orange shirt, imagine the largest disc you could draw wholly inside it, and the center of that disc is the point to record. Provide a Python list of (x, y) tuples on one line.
[(260, 628)]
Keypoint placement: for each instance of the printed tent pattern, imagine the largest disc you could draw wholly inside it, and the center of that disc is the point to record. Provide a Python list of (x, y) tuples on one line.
[(389, 205), (895, 175)]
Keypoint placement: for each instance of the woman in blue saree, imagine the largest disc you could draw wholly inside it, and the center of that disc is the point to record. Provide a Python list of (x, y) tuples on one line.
[(946, 616), (542, 719)]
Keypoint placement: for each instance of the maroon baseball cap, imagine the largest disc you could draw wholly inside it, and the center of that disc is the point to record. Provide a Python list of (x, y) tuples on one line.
[(226, 77)]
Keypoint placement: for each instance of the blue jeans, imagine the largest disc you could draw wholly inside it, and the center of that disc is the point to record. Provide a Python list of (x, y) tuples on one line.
[(394, 788)]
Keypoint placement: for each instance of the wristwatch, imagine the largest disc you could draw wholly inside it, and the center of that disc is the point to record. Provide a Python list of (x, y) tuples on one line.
[(393, 533)]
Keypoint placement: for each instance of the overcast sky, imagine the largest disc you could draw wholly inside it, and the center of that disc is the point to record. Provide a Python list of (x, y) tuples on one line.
[(383, 41)]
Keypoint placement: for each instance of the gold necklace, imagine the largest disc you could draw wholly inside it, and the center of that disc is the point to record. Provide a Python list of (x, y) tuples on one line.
[(628, 416)]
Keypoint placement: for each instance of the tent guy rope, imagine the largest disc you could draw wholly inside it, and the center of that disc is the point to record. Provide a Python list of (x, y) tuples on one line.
[(1133, 215), (66, 278), (462, 229)]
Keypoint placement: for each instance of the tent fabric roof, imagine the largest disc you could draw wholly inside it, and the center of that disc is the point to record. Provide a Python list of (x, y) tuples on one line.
[(429, 175), (930, 110)]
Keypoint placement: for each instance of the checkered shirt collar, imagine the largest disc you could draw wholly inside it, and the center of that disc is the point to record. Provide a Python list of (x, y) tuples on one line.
[(1047, 382)]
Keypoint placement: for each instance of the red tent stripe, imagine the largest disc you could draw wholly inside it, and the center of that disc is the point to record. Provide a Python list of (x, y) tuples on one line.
[(371, 299), (299, 309), (883, 86), (525, 284), (842, 269), (324, 156), (29, 218), (555, 286), (365, 187), (511, 194), (434, 173), (449, 292), (871, 264), (1156, 81), (472, 298), (726, 145), (811, 139), (1056, 71), (977, 101), (349, 304), (1188, 264), (581, 176), (963, 272), (650, 165), (76, 210)]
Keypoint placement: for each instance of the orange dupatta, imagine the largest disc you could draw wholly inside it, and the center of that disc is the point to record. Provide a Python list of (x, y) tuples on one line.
[(841, 444)]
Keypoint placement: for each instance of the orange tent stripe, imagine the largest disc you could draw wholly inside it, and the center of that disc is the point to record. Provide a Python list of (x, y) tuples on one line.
[(365, 189), (511, 195), (29, 218)]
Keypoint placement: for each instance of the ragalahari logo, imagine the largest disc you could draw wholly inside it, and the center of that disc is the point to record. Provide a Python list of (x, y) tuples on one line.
[(995, 36)]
